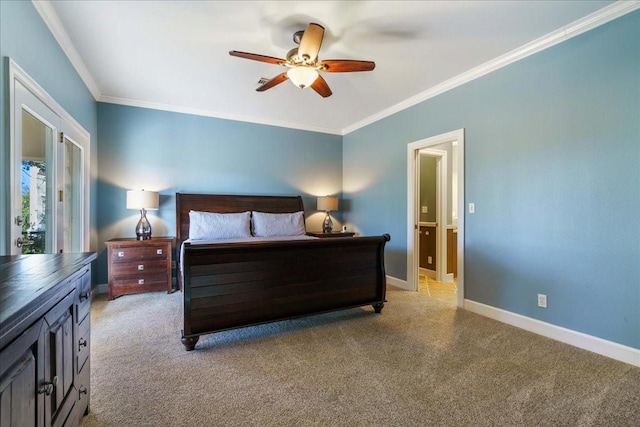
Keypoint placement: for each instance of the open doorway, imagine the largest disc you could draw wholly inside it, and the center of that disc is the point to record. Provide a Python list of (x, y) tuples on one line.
[(431, 186), (447, 151)]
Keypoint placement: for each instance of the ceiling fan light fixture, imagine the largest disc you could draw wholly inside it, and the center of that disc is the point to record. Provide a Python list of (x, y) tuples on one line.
[(302, 76)]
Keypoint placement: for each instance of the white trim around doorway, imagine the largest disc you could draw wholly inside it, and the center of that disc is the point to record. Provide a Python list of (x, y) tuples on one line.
[(412, 236)]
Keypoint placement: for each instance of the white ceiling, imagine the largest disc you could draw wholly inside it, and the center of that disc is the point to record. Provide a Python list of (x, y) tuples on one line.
[(173, 55)]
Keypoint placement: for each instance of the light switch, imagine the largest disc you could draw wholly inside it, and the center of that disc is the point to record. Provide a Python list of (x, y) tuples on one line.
[(472, 208), (425, 209)]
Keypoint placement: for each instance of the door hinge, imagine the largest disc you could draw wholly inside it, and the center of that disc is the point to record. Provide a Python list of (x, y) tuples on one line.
[(61, 137)]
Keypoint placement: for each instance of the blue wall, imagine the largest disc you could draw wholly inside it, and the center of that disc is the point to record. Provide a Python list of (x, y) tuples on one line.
[(25, 38), (552, 162), (172, 152), (552, 154)]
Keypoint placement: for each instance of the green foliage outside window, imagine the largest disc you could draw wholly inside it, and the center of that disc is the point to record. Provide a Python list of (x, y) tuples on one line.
[(32, 230)]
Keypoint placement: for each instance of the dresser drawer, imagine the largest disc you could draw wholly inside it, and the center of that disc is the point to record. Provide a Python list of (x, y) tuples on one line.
[(84, 388), (121, 254), (139, 268), (83, 305), (84, 343)]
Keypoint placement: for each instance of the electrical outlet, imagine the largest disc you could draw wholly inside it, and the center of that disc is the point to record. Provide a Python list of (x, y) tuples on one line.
[(542, 300), (429, 260)]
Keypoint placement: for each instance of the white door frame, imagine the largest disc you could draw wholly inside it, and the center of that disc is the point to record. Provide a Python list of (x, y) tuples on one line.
[(413, 202), (21, 82)]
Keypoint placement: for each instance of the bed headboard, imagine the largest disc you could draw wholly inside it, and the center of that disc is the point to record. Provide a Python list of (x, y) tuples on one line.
[(224, 203)]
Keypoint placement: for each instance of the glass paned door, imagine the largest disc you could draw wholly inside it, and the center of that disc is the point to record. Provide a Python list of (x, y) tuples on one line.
[(71, 196), (49, 172), (36, 186)]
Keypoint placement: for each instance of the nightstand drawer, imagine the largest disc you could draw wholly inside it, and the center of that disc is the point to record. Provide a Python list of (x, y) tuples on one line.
[(146, 280), (132, 284), (140, 253), (139, 268)]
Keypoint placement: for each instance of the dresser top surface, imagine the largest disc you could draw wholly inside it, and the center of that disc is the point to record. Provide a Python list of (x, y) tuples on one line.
[(25, 279)]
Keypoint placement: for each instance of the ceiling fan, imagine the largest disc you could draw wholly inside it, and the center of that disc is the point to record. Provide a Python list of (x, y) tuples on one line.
[(304, 65)]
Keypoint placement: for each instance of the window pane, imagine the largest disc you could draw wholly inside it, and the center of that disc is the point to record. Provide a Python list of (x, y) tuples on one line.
[(36, 181), (72, 196)]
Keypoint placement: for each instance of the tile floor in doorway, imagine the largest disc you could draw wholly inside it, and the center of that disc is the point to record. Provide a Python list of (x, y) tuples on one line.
[(443, 291)]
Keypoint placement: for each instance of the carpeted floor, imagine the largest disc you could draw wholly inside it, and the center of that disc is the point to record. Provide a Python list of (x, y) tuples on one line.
[(422, 362)]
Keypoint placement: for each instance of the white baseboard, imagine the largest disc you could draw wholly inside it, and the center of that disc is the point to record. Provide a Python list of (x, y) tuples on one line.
[(597, 345), (101, 289), (426, 272), (398, 283)]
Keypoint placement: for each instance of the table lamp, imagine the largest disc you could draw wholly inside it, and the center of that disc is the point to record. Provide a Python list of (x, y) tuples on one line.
[(327, 204), (143, 200)]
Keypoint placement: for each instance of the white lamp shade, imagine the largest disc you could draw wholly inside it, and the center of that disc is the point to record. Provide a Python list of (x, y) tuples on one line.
[(327, 203), (302, 76), (140, 199)]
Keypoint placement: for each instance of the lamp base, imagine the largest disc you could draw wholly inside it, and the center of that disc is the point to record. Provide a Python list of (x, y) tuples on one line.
[(327, 225), (143, 228)]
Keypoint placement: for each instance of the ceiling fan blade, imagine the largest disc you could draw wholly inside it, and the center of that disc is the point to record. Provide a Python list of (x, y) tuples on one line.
[(346, 65), (256, 57), (320, 85), (311, 42), (274, 81)]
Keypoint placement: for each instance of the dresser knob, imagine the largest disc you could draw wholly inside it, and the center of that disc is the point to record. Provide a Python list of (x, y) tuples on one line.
[(140, 281), (159, 251), (82, 343), (47, 388), (120, 254), (84, 296), (83, 390), (141, 267)]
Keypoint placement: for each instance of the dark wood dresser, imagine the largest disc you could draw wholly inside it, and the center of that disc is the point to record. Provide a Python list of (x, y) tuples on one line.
[(45, 303), (139, 265)]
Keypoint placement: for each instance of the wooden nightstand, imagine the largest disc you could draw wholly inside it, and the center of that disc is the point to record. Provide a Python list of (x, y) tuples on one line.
[(332, 234), (139, 265)]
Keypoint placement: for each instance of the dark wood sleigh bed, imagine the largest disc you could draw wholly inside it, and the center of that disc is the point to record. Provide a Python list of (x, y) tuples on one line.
[(231, 285)]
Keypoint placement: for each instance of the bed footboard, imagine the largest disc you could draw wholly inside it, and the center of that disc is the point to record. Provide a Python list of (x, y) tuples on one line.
[(228, 286)]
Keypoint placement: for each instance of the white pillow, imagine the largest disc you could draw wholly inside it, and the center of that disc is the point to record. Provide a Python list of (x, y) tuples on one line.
[(211, 226), (278, 224)]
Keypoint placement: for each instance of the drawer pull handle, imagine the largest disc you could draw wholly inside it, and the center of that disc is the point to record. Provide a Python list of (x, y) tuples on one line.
[(159, 251), (84, 296), (82, 343), (140, 281), (83, 390), (47, 388), (120, 254), (141, 267)]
